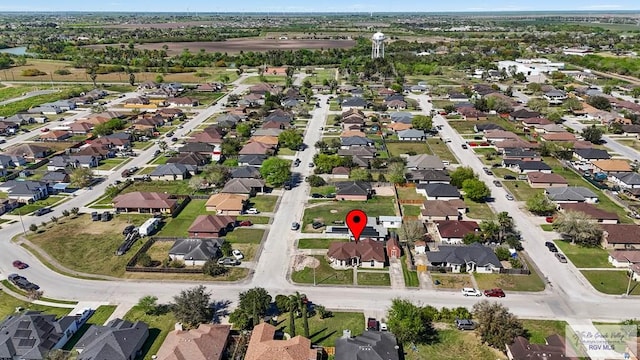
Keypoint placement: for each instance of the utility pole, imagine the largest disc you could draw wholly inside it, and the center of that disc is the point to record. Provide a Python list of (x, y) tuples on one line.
[(314, 277), (24, 231), (630, 274)]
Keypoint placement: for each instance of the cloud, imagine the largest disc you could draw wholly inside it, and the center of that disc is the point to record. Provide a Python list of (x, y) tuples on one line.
[(603, 7)]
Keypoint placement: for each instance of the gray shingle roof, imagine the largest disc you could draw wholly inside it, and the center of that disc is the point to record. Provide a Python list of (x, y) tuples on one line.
[(592, 154), (629, 178), (169, 169), (355, 141), (440, 190), (118, 340), (570, 193), (197, 249), (371, 345), (476, 253), (411, 133), (353, 188)]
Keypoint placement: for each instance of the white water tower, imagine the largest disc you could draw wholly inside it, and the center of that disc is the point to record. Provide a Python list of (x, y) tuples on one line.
[(377, 45)]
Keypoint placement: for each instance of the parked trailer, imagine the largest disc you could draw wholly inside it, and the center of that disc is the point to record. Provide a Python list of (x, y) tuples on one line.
[(149, 227)]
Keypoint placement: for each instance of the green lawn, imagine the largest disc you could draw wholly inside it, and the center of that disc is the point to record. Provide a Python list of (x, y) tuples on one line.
[(451, 281), (398, 148), (254, 219), (611, 282), (584, 257), (245, 236), (178, 187), (410, 277), (7, 93), (463, 126), (324, 190), (325, 332), (521, 190), (179, 225), (337, 210), (439, 104), (547, 227), (271, 79), (324, 274), (411, 210), (160, 160), (479, 211), (109, 164), (264, 203), (8, 305), (439, 148), (29, 208), (508, 282), (453, 344), (374, 279), (501, 172), (159, 327), (99, 317), (318, 243), (409, 193), (538, 330)]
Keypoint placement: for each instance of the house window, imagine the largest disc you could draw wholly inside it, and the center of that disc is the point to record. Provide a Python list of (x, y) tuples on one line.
[(372, 263)]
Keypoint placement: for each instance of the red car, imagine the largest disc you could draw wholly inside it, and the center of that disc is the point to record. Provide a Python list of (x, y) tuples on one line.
[(20, 265), (245, 223), (549, 219), (494, 293)]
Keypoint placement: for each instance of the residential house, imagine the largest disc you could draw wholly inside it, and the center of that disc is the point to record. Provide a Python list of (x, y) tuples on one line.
[(453, 231), (196, 252), (516, 144), (25, 191), (355, 102), (626, 180), (350, 133), (209, 87), (458, 97), (72, 161), (520, 154), (267, 140), (55, 177), (401, 117), (101, 152), (522, 114), (182, 102), (592, 212), (340, 172), (30, 152), (359, 151), (263, 346), (621, 236), (80, 127), (6, 162), (571, 194), (471, 113), (470, 258), (8, 128), (207, 342), (354, 141), (371, 345), (353, 190), (559, 136), (611, 166), (212, 150), (211, 226), (494, 136), (420, 247), (194, 162), (32, 334), (530, 123), (411, 135), (7, 205), (170, 172), (397, 127), (245, 172), (554, 348), (280, 116), (520, 166), (439, 210), (364, 253), (257, 148), (205, 137), (20, 119), (55, 135), (587, 155), (247, 186), (430, 176), (117, 340), (624, 258), (549, 128), (555, 97), (438, 191), (538, 179), (487, 127), (631, 130), (393, 248), (145, 202), (252, 160), (424, 162), (229, 120), (227, 204), (396, 104)]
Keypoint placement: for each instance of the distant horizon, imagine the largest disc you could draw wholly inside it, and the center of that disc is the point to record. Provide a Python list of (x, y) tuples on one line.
[(275, 13)]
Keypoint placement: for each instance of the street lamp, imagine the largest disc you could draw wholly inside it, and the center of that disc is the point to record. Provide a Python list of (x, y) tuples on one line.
[(24, 231)]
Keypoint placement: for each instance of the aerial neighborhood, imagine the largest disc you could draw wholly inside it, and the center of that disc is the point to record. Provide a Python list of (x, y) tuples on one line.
[(163, 201)]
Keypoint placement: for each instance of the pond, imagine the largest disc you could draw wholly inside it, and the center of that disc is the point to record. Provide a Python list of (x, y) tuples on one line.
[(22, 50)]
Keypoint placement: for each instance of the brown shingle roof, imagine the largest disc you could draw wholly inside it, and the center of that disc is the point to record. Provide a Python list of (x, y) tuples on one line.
[(537, 177), (211, 223), (255, 148), (262, 346), (455, 228), (632, 256), (207, 342), (146, 200), (622, 233), (442, 208), (365, 249), (227, 202), (590, 210), (617, 165), (559, 136)]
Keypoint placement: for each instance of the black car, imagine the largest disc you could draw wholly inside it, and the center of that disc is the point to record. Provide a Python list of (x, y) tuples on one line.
[(42, 211), (317, 196), (127, 230), (464, 146), (106, 216), (317, 225), (95, 216), (551, 246), (509, 177)]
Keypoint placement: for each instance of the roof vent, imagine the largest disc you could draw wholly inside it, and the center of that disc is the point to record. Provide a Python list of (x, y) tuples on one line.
[(346, 334)]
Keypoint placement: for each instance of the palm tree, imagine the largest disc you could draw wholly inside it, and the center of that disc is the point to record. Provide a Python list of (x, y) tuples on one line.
[(293, 306), (303, 310), (489, 230), (505, 222)]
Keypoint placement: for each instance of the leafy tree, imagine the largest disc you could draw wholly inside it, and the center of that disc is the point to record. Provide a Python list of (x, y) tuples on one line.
[(65, 213), (244, 129), (149, 304), (212, 268), (607, 89), (33, 227), (471, 238), (75, 211), (192, 307), (144, 260), (505, 224), (475, 190), (360, 174), (58, 354), (489, 230), (422, 122), (254, 302), (592, 134), (572, 104), (81, 177), (516, 263), (303, 311), (226, 249), (230, 146), (496, 325), (315, 180), (537, 104), (502, 253), (282, 303), (293, 307), (323, 312), (325, 163), (411, 231), (460, 174), (407, 322), (276, 171), (215, 174), (290, 139), (578, 228), (539, 204), (599, 102), (396, 173)]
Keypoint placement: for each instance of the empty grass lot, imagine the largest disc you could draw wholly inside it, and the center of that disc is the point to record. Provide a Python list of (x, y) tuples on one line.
[(245, 236), (508, 282), (264, 203), (410, 277), (411, 210), (254, 219), (398, 148), (439, 148), (324, 274), (479, 211), (159, 327), (463, 126), (409, 193), (271, 79), (453, 344), (325, 332), (179, 225), (374, 278), (585, 257), (538, 330), (452, 281), (74, 242), (8, 305), (521, 190), (109, 164), (337, 210), (611, 282), (318, 243), (178, 187)]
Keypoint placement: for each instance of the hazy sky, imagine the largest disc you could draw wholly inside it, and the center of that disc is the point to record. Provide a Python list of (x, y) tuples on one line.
[(317, 6)]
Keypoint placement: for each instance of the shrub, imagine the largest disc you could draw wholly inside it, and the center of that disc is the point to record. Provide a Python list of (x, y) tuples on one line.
[(212, 268), (144, 260), (62, 72), (315, 180), (502, 253), (516, 263), (176, 264), (32, 72)]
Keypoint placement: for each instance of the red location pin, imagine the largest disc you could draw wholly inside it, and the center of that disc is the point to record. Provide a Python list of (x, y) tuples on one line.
[(356, 221)]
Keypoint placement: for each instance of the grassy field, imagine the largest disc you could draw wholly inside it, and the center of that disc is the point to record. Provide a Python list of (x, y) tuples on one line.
[(508, 282), (439, 148), (99, 317), (25, 104), (324, 274), (547, 227), (479, 211), (452, 281), (271, 79), (11, 92), (539, 330), (411, 210), (374, 279), (463, 126), (324, 190), (109, 164), (325, 332), (337, 210), (453, 344), (159, 327), (245, 236), (254, 219), (398, 148), (611, 282), (583, 257), (410, 277), (179, 225), (264, 203), (29, 208), (8, 305), (409, 193), (521, 190), (77, 243), (179, 187), (317, 243)]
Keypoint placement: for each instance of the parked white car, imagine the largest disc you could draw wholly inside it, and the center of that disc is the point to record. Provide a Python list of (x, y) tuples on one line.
[(471, 292), (252, 211), (237, 254)]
